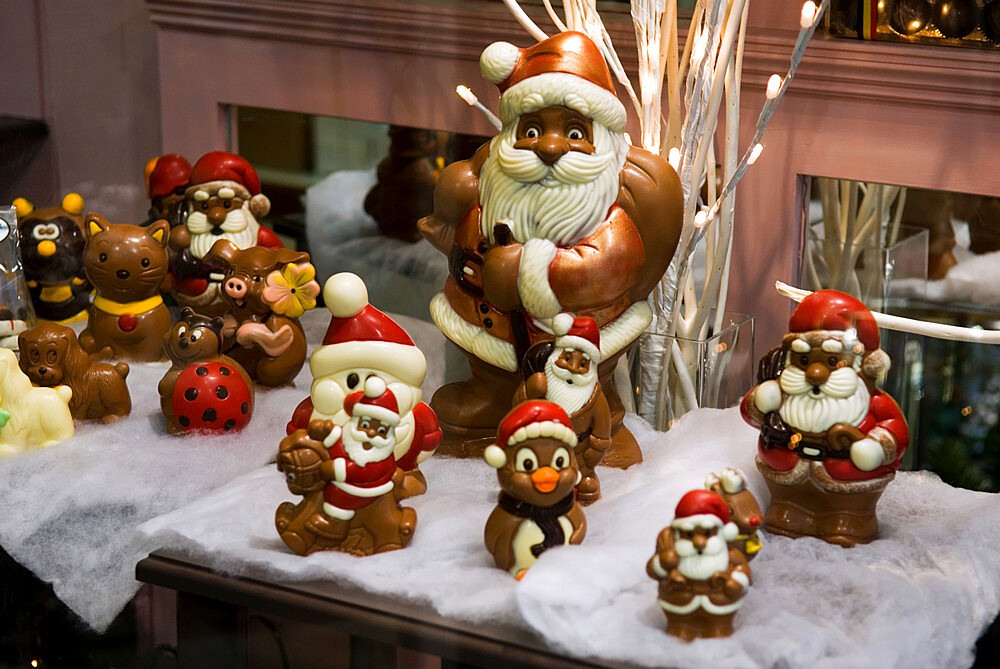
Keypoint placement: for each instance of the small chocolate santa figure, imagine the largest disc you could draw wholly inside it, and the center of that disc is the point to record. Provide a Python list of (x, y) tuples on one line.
[(349, 480), (702, 580), (222, 201), (537, 471), (831, 441), (564, 371)]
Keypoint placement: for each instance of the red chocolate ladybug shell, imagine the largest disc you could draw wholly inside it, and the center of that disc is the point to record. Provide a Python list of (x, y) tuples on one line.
[(212, 396)]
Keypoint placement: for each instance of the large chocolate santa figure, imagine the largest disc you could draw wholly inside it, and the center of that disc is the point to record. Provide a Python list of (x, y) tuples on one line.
[(223, 201), (558, 213), (831, 441)]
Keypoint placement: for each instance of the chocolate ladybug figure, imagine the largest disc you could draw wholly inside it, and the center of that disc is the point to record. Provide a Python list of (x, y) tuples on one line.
[(203, 390)]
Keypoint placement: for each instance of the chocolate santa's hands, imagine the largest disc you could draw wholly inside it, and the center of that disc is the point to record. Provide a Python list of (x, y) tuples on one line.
[(348, 478), (519, 255), (537, 472), (702, 580), (830, 439)]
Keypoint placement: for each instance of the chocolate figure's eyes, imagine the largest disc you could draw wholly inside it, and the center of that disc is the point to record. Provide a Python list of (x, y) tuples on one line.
[(181, 330), (34, 355), (364, 425), (204, 205), (382, 431), (51, 357), (352, 380), (227, 203), (532, 132), (230, 271), (144, 262), (525, 461), (195, 335), (575, 134), (103, 257), (560, 459), (832, 361), (804, 360), (257, 278)]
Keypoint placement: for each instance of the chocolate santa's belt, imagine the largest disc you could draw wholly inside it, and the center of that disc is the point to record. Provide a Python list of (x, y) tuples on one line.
[(813, 450)]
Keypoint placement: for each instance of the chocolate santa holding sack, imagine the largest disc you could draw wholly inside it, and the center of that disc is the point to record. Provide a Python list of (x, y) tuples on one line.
[(831, 441), (558, 213), (353, 504), (564, 371), (702, 580), (537, 508)]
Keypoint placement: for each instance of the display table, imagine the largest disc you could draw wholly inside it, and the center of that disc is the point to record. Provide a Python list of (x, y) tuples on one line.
[(920, 596)]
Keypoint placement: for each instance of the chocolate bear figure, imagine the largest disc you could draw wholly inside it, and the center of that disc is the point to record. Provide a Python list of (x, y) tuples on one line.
[(51, 356), (127, 264), (203, 389), (537, 470), (265, 291), (52, 241)]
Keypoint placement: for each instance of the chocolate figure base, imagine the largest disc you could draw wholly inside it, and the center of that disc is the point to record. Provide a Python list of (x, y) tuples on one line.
[(805, 510), (470, 411), (699, 624)]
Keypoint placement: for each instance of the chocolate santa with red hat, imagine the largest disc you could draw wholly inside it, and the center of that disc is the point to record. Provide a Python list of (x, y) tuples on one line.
[(536, 468), (222, 201), (360, 512), (702, 580), (564, 371), (831, 440), (558, 213), (361, 342)]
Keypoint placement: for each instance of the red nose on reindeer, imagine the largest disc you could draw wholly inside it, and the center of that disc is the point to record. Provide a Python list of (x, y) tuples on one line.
[(755, 521), (236, 288)]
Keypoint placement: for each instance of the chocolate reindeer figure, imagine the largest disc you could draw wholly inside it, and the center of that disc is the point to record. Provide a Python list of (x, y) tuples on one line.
[(265, 290), (349, 480), (537, 471), (126, 264), (203, 390), (731, 485), (702, 580), (51, 356), (564, 371)]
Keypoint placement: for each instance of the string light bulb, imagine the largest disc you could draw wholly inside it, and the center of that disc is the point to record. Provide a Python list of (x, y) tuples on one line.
[(755, 153), (773, 86), (674, 158), (808, 15)]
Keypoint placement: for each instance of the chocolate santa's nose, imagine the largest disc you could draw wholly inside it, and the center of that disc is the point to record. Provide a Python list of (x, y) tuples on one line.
[(550, 148), (216, 215), (236, 288), (817, 373)]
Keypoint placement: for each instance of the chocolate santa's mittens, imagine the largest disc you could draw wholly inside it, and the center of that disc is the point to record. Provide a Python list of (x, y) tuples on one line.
[(212, 396)]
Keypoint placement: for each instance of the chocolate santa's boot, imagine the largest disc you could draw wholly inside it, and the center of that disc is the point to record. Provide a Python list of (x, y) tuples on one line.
[(290, 519), (624, 451), (588, 490), (853, 523), (469, 411), (786, 514)]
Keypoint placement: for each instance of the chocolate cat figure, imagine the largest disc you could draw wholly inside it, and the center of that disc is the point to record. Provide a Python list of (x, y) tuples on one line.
[(51, 356), (200, 391), (537, 470), (127, 264), (265, 291)]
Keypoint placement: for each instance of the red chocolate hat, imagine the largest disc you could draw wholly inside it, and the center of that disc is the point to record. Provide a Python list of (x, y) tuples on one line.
[(832, 310), (534, 419), (581, 334), (220, 169), (566, 69), (704, 509), (375, 401), (361, 336), (166, 173)]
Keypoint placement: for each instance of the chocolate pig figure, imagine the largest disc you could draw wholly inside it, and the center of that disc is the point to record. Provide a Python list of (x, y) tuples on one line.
[(348, 478), (518, 256), (702, 580), (830, 440), (203, 390), (126, 264), (265, 291), (536, 467), (51, 356)]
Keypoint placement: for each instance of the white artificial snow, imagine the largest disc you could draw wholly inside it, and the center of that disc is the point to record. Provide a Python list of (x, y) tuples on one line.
[(70, 511), (920, 596)]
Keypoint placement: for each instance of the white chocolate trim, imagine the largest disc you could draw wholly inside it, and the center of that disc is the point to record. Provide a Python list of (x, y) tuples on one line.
[(533, 278), (333, 437), (658, 567), (832, 346), (337, 512), (374, 411), (358, 491), (401, 360), (698, 520), (544, 428), (700, 601), (471, 338), (340, 469), (625, 329), (741, 578), (800, 346)]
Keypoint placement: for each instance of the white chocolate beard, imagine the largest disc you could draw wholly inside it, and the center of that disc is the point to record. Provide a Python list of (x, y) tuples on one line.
[(240, 227), (563, 203), (571, 397), (354, 440), (809, 412), (700, 567)]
